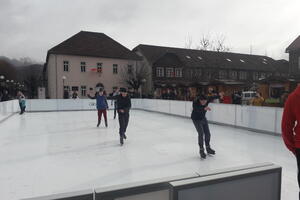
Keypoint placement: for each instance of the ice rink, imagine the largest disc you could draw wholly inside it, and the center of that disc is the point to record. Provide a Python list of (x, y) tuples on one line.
[(52, 152)]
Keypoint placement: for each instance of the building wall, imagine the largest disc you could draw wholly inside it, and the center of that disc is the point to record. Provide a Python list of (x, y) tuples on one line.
[(294, 62), (74, 77)]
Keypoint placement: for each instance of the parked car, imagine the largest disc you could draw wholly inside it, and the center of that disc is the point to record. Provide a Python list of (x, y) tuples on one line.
[(247, 96)]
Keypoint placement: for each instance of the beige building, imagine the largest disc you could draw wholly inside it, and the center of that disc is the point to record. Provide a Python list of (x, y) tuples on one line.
[(85, 61)]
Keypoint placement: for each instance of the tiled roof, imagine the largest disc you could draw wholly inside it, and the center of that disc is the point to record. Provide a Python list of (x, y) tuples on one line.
[(209, 59), (295, 45), (93, 44)]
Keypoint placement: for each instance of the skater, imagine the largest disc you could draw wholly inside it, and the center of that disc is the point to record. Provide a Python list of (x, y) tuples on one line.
[(123, 106), (290, 126), (102, 106), (200, 107), (114, 96), (22, 102)]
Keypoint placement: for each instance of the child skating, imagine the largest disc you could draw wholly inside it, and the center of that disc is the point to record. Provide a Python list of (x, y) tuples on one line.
[(102, 105), (200, 107)]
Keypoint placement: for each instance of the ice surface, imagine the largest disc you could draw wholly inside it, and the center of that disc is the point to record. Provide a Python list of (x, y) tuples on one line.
[(53, 152)]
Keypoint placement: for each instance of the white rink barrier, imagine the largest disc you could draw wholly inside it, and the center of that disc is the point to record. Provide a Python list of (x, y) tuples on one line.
[(8, 108), (250, 182), (261, 119)]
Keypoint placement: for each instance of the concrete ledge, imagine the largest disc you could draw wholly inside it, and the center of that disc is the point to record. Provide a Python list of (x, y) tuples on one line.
[(78, 195)]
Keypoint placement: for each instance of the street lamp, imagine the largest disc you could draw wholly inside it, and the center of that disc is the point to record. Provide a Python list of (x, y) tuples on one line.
[(63, 79), (2, 77), (143, 82)]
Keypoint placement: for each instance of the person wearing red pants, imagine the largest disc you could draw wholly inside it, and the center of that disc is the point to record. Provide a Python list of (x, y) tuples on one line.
[(102, 105), (290, 126)]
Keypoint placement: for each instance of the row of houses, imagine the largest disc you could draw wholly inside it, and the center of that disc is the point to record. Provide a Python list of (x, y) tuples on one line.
[(88, 60)]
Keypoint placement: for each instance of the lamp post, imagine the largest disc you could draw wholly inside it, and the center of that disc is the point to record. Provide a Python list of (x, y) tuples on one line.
[(63, 79), (2, 77), (143, 82)]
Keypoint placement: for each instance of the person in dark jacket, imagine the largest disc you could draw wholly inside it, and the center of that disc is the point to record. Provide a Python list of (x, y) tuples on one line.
[(5, 96), (102, 105), (123, 107), (200, 107)]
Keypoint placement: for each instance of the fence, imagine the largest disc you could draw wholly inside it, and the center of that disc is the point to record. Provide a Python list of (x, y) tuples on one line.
[(259, 119)]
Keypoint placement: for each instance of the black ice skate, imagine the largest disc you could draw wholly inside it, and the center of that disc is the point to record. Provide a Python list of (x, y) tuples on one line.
[(210, 151), (106, 125), (98, 123), (121, 141), (202, 154)]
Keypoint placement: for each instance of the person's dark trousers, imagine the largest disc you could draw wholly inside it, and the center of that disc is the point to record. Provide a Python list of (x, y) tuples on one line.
[(100, 112), (298, 164), (203, 130), (123, 121), (115, 110), (22, 108)]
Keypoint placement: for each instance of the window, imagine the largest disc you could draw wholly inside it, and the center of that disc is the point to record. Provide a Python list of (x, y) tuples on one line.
[(188, 57), (255, 76), (262, 75), (242, 60), (159, 72), (129, 69), (83, 90), (199, 57), (66, 88), (66, 66), (169, 72), (222, 74), (233, 74), (99, 67), (82, 66), (74, 88), (178, 72), (115, 69), (243, 75), (228, 60)]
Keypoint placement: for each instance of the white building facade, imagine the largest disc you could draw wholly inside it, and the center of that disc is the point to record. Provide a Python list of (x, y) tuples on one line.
[(72, 66)]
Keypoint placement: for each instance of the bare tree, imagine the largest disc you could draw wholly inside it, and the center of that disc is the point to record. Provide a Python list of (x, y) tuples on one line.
[(206, 43), (220, 44), (188, 42), (135, 77)]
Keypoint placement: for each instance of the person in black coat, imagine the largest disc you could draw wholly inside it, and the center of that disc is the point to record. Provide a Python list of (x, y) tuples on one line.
[(123, 107), (200, 107)]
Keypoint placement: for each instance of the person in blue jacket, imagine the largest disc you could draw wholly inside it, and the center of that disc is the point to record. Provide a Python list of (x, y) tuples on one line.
[(102, 105)]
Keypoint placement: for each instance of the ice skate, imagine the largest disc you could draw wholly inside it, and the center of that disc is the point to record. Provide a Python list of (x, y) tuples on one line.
[(99, 121), (210, 151), (202, 154), (121, 141)]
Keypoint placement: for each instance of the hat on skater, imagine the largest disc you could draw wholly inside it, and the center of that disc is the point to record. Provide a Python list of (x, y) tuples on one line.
[(202, 97), (123, 90)]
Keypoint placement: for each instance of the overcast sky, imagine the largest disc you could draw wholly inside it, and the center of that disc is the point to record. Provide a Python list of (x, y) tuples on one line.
[(28, 28)]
